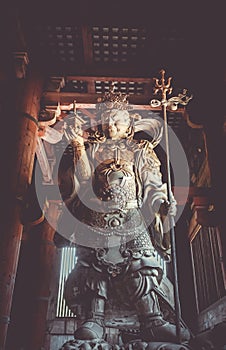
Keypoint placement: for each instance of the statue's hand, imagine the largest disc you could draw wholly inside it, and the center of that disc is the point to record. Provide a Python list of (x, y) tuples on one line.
[(167, 208), (72, 135), (79, 140)]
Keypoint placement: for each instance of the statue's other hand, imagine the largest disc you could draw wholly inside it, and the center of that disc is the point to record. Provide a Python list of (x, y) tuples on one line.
[(74, 135), (167, 208), (79, 140)]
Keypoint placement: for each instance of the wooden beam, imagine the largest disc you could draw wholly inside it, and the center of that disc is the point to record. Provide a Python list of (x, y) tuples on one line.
[(25, 106), (68, 97), (43, 259), (87, 45), (51, 99), (109, 78)]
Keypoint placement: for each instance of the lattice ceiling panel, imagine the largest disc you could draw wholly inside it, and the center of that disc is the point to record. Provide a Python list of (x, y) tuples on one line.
[(129, 87), (73, 48), (76, 86), (61, 43), (117, 44)]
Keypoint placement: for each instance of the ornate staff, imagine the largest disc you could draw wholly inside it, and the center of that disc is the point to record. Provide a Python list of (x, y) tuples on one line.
[(172, 104)]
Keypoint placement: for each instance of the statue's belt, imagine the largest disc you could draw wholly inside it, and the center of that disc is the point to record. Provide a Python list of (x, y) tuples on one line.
[(117, 220)]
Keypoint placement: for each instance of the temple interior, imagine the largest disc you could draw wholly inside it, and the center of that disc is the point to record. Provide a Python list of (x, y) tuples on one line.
[(60, 59)]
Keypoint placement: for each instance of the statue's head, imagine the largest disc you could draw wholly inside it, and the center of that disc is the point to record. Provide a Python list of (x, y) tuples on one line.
[(116, 124), (116, 121)]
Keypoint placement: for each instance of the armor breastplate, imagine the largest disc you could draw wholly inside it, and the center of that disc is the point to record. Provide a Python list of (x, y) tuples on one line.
[(114, 181), (114, 184)]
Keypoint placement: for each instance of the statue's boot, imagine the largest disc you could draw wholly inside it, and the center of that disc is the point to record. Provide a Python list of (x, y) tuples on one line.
[(152, 325), (93, 327)]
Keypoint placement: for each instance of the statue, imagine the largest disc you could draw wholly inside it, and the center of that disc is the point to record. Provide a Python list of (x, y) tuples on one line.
[(120, 206)]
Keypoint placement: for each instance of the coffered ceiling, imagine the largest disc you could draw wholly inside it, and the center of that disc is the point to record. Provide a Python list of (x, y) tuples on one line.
[(84, 45), (107, 38)]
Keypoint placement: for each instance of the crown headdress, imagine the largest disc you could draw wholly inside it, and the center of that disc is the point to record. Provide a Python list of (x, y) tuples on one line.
[(112, 100)]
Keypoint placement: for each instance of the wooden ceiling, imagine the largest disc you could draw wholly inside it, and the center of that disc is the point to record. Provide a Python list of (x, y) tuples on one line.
[(87, 45), (104, 38), (83, 45)]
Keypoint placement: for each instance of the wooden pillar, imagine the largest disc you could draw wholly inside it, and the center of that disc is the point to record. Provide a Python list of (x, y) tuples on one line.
[(20, 105), (44, 253)]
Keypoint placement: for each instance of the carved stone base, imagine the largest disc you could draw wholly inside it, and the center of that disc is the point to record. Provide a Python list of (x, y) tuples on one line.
[(100, 344)]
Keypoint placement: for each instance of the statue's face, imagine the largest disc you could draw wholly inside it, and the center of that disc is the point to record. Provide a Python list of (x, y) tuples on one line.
[(115, 123)]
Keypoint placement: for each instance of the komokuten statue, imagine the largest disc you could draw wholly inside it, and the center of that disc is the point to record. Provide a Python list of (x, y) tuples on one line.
[(119, 205)]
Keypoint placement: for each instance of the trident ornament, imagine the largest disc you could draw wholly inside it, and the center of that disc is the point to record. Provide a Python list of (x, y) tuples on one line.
[(165, 88), (172, 103)]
